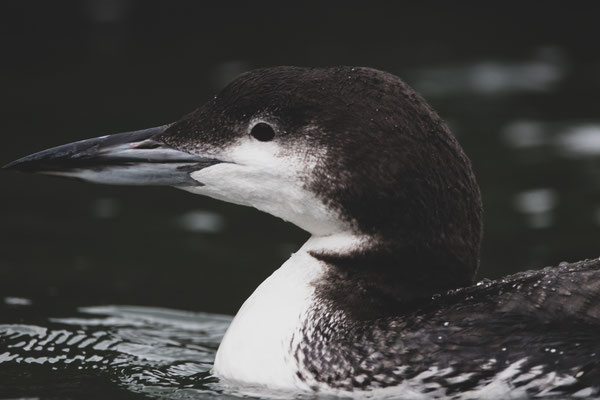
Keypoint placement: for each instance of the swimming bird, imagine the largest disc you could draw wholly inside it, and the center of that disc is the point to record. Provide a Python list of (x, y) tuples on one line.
[(381, 299)]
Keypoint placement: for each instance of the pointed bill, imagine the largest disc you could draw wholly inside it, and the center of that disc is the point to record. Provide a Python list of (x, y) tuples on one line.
[(129, 158)]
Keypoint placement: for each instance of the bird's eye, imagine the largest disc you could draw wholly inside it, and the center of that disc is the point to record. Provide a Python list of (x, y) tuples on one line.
[(263, 132)]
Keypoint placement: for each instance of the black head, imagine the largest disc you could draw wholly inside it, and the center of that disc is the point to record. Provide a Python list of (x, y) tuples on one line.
[(387, 164)]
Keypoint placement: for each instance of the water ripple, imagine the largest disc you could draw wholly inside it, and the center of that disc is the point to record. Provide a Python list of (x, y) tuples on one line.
[(143, 350)]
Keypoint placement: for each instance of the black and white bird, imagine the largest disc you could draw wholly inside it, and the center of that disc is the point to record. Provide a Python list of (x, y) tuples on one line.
[(380, 301)]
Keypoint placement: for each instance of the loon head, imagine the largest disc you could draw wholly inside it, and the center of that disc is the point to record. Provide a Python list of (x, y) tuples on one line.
[(335, 151)]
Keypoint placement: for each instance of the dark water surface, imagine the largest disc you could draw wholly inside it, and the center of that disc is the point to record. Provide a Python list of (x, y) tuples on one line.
[(519, 86), (108, 350)]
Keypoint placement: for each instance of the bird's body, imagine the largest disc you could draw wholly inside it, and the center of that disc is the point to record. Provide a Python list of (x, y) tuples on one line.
[(532, 333), (527, 334), (380, 301)]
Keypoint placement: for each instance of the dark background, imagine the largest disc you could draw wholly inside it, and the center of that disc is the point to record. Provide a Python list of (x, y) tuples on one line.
[(517, 82)]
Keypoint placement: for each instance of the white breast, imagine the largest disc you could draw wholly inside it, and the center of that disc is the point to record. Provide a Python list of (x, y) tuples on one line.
[(257, 347)]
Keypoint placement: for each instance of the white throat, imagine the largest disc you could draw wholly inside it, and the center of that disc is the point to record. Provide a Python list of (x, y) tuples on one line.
[(258, 347), (270, 178)]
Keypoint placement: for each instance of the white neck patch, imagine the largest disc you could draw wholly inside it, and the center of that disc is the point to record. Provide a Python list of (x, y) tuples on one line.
[(265, 176), (258, 348)]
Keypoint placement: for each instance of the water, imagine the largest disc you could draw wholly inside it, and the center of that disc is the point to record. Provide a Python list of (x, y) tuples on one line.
[(119, 351), (125, 350), (520, 91)]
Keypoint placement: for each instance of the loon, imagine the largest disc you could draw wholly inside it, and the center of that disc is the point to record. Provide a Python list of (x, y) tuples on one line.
[(381, 300)]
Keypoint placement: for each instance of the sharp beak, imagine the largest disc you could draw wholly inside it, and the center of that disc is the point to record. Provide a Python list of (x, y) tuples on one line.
[(129, 158)]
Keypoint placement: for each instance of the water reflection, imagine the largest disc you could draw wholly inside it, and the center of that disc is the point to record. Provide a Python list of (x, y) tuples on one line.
[(201, 221), (580, 140), (488, 77), (17, 301), (538, 205), (567, 138), (145, 350), (522, 134)]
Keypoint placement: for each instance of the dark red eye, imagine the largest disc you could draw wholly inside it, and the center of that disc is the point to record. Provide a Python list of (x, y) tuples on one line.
[(263, 132)]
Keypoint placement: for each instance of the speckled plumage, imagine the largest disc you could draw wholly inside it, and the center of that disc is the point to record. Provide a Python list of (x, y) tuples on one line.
[(545, 321)]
